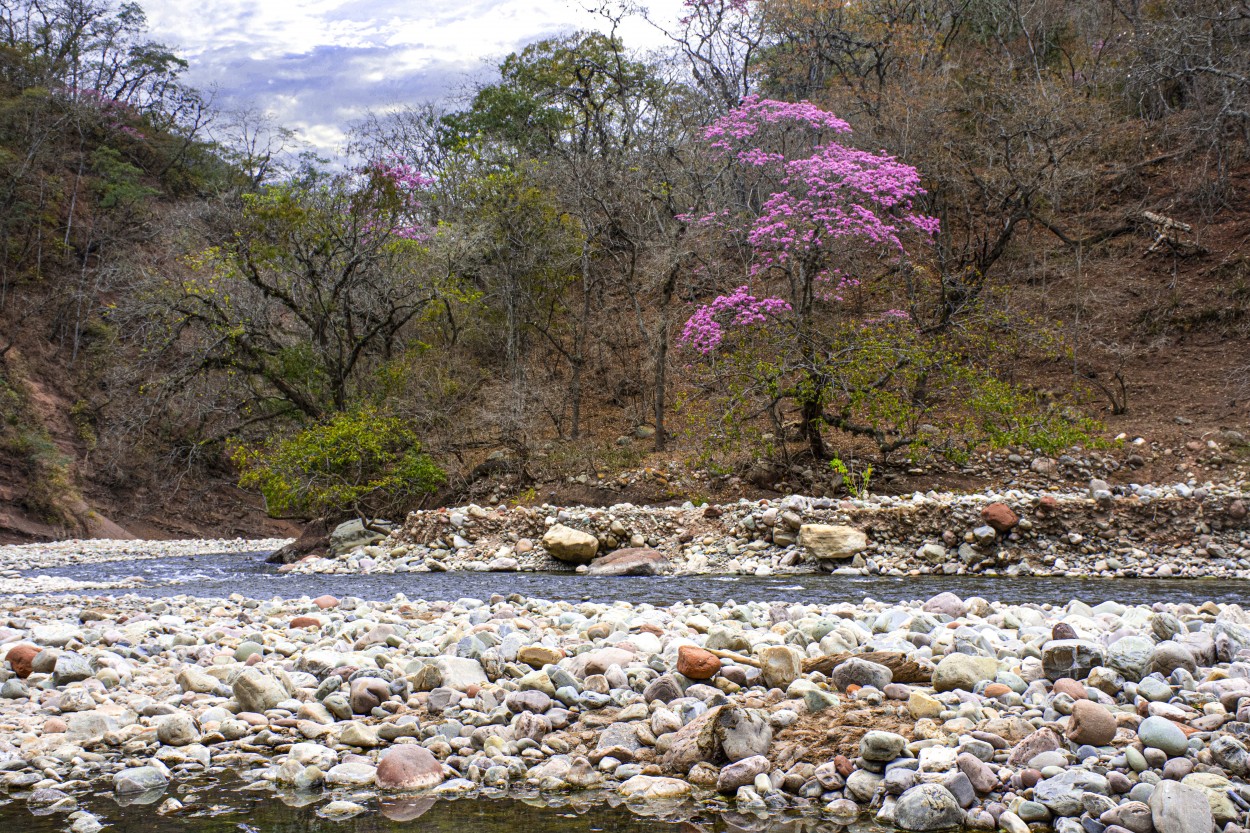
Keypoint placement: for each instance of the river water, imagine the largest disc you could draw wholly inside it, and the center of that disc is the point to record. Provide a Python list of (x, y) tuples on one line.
[(218, 576), (219, 809)]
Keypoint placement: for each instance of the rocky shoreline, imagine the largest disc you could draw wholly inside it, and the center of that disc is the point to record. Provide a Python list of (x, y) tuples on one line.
[(16, 558), (1179, 531), (926, 716)]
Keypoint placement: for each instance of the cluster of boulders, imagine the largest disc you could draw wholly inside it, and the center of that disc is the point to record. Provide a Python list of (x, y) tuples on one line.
[(928, 716), (1125, 531)]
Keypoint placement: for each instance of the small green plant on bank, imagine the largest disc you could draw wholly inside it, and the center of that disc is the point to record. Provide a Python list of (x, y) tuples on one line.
[(856, 483), (360, 462), (525, 497)]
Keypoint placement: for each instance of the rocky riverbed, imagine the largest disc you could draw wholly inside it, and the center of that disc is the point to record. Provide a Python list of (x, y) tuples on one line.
[(925, 716), (1184, 530), (18, 560)]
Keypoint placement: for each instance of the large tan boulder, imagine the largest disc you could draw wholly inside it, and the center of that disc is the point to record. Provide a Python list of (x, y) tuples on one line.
[(828, 542), (569, 545)]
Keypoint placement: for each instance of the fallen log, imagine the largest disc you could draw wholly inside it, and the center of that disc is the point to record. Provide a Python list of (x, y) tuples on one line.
[(904, 670)]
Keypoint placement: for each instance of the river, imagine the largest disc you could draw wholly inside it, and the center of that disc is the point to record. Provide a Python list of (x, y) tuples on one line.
[(215, 576)]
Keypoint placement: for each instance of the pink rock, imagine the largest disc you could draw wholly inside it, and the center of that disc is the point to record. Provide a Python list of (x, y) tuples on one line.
[(409, 767), (632, 561)]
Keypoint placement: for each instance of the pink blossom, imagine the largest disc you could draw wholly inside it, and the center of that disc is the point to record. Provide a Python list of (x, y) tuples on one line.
[(705, 330), (822, 197), (411, 184)]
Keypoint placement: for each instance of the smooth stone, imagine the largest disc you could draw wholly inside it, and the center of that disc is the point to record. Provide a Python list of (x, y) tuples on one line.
[(1160, 733)]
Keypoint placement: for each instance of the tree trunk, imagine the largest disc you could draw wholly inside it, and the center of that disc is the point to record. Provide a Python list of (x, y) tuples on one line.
[(661, 383), (661, 351), (812, 418), (575, 394)]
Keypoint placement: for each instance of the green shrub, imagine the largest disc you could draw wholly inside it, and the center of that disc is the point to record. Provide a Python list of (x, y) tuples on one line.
[(358, 462)]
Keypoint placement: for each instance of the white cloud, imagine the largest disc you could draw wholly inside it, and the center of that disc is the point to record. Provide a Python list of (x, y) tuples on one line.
[(316, 65)]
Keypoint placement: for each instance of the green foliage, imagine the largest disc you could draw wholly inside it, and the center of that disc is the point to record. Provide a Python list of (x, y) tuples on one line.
[(360, 461), (575, 91), (856, 482), (315, 289), (119, 183), (884, 382)]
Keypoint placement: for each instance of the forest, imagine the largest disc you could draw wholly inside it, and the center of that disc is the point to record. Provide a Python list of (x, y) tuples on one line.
[(803, 245)]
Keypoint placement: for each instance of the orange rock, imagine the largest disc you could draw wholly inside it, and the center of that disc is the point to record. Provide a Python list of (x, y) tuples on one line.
[(20, 657), (696, 663), (326, 602), (1091, 724), (1000, 516), (305, 622), (843, 766), (996, 690)]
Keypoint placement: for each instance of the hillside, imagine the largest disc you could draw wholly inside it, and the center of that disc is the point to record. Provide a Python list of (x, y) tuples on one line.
[(801, 240)]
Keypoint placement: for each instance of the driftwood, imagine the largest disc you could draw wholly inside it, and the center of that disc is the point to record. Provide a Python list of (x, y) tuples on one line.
[(903, 669), (1171, 232), (738, 658)]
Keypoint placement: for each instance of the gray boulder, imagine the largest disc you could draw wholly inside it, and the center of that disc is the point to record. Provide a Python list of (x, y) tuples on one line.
[(177, 729), (1160, 733), (1131, 656), (1176, 808), (1073, 658), (1062, 794), (71, 668), (256, 691), (882, 747), (139, 779), (860, 672), (928, 807), (351, 534)]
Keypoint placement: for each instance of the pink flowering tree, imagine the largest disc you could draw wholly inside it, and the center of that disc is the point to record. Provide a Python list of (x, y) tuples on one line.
[(818, 220), (403, 191)]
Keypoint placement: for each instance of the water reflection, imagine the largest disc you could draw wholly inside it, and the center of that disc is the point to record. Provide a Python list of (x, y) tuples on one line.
[(219, 810)]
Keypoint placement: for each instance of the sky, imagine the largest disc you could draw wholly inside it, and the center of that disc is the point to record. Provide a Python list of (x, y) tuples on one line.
[(316, 66)]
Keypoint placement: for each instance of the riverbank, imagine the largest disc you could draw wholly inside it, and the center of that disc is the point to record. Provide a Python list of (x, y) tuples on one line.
[(951, 713), (1184, 531)]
